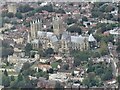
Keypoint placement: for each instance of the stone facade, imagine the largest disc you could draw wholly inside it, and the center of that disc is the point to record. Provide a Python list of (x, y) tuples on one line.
[(60, 40)]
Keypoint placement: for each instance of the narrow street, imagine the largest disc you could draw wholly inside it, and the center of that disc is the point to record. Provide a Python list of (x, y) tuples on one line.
[(114, 59)]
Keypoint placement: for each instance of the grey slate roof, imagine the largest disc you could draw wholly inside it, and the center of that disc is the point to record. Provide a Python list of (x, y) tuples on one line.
[(54, 38), (66, 37), (41, 34), (91, 38), (77, 39), (49, 35)]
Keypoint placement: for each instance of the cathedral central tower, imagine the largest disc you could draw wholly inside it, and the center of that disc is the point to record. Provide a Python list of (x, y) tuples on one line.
[(57, 26)]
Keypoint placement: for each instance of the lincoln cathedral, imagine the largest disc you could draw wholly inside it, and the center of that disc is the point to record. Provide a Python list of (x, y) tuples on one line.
[(60, 39)]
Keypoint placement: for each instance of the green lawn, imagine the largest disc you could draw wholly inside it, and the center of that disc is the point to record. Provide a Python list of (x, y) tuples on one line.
[(55, 64), (12, 73)]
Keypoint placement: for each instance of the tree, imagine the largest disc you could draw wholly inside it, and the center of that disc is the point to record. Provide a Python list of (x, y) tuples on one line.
[(28, 48), (118, 48), (98, 37), (50, 71), (101, 15), (5, 81), (50, 30), (10, 50), (42, 74), (109, 8), (32, 55), (19, 15), (13, 84), (98, 4), (4, 13), (49, 51), (90, 69), (74, 29), (86, 82), (46, 75), (20, 77), (102, 8), (38, 9), (90, 82), (21, 84), (66, 66), (28, 71), (103, 48), (25, 8), (71, 4), (84, 18), (107, 39), (118, 80), (27, 24), (97, 14), (28, 83), (12, 78), (94, 82), (7, 63), (70, 21), (99, 71), (54, 64), (72, 73), (41, 53), (10, 15), (107, 76), (108, 16), (48, 8), (58, 86), (5, 73), (95, 54), (80, 56), (25, 66), (30, 13), (6, 49), (60, 11)]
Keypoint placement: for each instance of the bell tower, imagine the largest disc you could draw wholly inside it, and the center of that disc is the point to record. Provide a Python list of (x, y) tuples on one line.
[(57, 26), (35, 26)]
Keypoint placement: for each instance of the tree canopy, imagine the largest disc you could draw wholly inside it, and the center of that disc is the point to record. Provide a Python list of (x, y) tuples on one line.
[(70, 21), (25, 66), (19, 15), (5, 79), (118, 49), (10, 15), (74, 29), (28, 48), (48, 8), (118, 80), (6, 49), (60, 11), (80, 56), (90, 82), (49, 51), (25, 8), (84, 18), (103, 50)]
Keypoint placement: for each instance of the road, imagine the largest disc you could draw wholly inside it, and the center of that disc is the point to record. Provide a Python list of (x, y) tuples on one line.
[(114, 66), (114, 60)]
